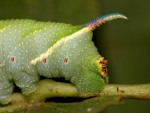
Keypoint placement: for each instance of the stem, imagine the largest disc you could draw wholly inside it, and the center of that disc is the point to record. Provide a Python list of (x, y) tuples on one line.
[(141, 91), (48, 89)]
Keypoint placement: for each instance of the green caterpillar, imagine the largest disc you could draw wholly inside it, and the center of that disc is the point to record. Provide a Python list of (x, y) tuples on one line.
[(29, 49)]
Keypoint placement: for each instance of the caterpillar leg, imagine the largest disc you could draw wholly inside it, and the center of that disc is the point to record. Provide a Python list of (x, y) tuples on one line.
[(89, 83), (26, 82), (6, 89)]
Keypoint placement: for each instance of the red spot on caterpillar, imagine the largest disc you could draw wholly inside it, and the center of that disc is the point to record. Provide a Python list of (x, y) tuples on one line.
[(65, 60), (44, 60), (12, 59)]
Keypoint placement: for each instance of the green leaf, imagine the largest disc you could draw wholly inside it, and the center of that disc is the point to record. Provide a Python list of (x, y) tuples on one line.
[(92, 105)]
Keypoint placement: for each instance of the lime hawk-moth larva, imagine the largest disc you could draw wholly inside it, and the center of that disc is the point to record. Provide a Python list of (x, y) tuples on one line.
[(29, 49)]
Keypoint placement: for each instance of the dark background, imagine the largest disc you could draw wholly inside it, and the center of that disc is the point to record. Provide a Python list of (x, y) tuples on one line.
[(126, 44)]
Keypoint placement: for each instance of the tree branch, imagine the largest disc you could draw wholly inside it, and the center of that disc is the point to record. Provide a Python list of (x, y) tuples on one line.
[(141, 91), (48, 89)]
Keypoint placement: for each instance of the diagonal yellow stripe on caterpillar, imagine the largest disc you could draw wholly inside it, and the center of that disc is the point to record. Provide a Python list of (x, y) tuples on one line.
[(63, 40)]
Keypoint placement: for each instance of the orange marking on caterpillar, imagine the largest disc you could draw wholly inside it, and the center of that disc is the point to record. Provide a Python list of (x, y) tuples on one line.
[(102, 65)]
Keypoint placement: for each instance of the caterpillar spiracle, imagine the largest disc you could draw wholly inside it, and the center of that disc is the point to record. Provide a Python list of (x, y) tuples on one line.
[(30, 49)]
